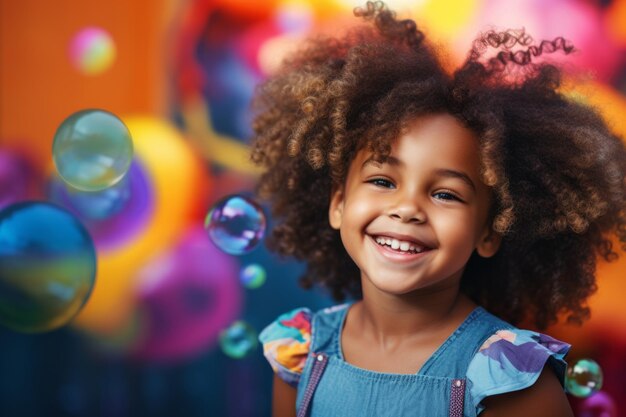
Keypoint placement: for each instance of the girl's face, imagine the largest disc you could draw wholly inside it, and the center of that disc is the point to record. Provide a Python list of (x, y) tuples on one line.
[(411, 222)]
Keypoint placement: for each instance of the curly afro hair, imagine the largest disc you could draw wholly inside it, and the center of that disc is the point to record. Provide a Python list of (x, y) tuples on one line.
[(556, 171)]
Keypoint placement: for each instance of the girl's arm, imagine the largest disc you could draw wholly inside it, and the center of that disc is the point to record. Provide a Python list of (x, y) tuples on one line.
[(545, 398), (283, 399)]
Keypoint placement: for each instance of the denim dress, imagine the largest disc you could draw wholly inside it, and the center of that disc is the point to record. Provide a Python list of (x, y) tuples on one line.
[(484, 356)]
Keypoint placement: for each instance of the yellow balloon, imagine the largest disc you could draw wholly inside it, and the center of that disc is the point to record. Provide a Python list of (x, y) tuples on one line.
[(180, 187), (445, 18)]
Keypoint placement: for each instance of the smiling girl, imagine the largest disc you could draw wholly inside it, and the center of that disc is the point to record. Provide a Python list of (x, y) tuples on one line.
[(450, 207)]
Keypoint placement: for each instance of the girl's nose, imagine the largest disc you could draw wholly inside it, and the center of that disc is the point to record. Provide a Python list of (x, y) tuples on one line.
[(407, 210)]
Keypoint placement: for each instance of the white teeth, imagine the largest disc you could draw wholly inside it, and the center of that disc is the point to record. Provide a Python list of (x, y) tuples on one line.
[(396, 244)]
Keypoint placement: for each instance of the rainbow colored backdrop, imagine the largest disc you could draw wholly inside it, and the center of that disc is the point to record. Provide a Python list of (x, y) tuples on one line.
[(180, 74)]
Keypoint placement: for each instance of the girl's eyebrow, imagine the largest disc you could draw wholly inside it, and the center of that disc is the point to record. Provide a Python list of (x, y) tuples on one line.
[(450, 173), (442, 172), (391, 160)]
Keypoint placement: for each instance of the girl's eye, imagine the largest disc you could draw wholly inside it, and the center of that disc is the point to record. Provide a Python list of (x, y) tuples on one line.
[(382, 182), (445, 195)]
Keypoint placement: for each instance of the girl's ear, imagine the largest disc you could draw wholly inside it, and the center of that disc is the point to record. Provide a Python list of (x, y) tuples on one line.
[(335, 208), (489, 243)]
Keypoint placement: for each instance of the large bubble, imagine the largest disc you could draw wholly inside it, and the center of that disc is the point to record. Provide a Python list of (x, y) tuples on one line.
[(92, 150), (583, 378), (47, 266), (236, 224)]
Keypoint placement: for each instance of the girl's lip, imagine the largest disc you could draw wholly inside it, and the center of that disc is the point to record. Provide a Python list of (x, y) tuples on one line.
[(395, 255), (402, 237)]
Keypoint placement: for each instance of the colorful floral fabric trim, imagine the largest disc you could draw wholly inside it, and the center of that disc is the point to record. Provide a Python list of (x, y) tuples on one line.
[(511, 360), (286, 343)]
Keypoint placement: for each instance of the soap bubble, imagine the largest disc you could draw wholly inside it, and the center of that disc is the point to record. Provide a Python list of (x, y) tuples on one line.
[(92, 50), (47, 266), (92, 150), (583, 378), (252, 276), (236, 224), (238, 340)]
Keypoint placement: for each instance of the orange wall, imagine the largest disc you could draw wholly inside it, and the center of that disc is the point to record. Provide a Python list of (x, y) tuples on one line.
[(38, 85)]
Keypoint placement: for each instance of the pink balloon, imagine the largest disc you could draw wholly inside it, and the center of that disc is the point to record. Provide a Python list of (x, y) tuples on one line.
[(186, 297), (599, 404)]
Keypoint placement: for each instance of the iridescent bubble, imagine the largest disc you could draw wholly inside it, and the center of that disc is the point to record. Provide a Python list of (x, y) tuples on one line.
[(236, 224), (238, 340), (252, 276), (92, 150), (92, 51), (583, 378), (47, 266)]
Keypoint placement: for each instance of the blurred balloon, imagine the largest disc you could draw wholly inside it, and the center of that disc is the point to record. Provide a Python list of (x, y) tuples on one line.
[(92, 50), (114, 215), (238, 340), (599, 404), (178, 184), (47, 266), (583, 378), (17, 178), (294, 16), (95, 205), (244, 9), (614, 21), (92, 150), (252, 276), (186, 296), (236, 224), (446, 18)]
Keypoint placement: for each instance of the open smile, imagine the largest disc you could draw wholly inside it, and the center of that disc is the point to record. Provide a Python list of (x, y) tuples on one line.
[(397, 249)]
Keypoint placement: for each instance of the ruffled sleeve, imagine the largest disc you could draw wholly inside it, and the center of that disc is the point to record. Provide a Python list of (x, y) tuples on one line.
[(286, 343), (511, 360)]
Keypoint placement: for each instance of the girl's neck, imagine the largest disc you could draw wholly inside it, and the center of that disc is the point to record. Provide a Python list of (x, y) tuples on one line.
[(387, 317)]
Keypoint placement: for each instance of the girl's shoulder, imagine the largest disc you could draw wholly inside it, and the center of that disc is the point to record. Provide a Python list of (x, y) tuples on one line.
[(512, 359), (287, 340)]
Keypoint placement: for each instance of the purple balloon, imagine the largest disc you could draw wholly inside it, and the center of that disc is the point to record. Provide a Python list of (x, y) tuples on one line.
[(134, 207), (599, 404), (16, 178), (186, 297)]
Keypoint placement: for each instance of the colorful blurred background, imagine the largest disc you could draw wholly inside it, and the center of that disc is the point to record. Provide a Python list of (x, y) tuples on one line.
[(151, 338)]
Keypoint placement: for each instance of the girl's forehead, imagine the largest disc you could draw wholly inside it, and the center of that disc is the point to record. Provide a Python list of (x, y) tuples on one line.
[(439, 134)]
